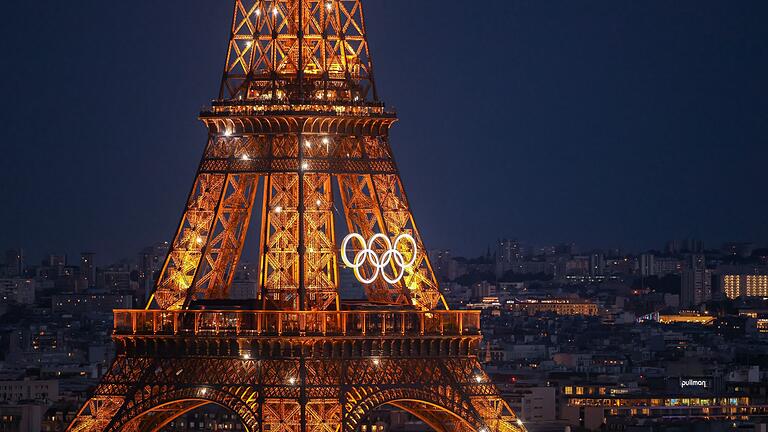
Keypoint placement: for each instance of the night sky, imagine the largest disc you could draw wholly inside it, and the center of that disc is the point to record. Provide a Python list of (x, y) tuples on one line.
[(606, 123)]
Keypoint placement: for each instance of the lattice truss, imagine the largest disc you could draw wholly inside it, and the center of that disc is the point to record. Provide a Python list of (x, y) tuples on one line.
[(296, 239), (296, 395), (288, 61), (275, 43)]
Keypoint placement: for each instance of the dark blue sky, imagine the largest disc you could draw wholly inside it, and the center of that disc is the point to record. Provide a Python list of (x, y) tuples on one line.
[(608, 123)]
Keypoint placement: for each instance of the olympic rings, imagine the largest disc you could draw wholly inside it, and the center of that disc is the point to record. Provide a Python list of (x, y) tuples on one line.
[(391, 256)]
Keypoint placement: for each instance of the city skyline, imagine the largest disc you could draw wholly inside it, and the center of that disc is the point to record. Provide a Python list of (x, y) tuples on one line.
[(665, 160), (529, 249)]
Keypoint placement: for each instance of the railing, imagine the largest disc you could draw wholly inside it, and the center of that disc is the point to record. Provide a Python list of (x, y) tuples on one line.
[(296, 100), (330, 107), (295, 323)]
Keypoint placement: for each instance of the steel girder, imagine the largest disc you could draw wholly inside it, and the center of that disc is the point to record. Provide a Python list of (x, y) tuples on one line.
[(319, 44), (298, 261)]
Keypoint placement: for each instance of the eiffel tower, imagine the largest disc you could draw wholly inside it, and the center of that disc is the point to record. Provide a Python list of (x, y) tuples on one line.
[(298, 126)]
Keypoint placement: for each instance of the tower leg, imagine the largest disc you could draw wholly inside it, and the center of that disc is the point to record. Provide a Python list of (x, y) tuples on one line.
[(225, 241), (420, 280), (186, 249), (202, 258), (363, 215)]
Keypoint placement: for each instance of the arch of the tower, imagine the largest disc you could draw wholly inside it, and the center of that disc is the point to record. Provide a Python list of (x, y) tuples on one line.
[(156, 412), (441, 412), (438, 418)]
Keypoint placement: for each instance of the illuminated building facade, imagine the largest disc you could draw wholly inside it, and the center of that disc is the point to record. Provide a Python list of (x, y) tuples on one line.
[(686, 318), (558, 306), (744, 285), (297, 123), (594, 411), (685, 398)]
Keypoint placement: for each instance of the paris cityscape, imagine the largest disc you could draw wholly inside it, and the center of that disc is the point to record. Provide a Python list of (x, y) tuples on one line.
[(580, 338), (582, 246)]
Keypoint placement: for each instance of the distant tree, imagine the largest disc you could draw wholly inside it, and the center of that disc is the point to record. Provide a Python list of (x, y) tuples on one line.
[(511, 276)]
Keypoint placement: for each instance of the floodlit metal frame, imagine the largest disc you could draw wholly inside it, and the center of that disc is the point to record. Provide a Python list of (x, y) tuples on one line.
[(297, 115)]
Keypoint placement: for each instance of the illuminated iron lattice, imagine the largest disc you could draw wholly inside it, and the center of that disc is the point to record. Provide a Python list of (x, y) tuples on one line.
[(297, 123)]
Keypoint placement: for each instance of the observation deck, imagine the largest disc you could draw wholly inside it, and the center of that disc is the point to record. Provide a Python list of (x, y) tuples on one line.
[(258, 323), (259, 333)]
